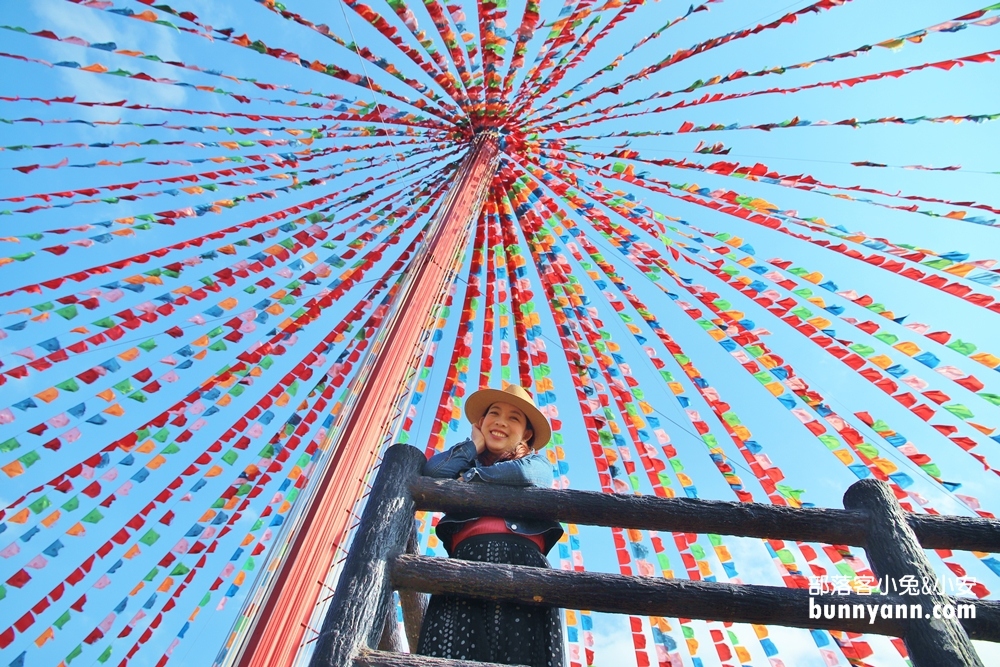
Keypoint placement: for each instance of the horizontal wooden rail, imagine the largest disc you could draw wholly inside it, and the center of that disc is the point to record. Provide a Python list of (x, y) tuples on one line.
[(894, 542), (690, 515), (369, 658), (617, 594)]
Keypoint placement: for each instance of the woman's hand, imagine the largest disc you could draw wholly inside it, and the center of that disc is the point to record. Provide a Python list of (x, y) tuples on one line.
[(521, 450), (478, 439)]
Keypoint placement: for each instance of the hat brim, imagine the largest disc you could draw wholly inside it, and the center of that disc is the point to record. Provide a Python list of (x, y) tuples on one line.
[(479, 402)]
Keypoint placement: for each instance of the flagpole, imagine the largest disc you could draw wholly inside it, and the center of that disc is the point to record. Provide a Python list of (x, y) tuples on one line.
[(278, 628)]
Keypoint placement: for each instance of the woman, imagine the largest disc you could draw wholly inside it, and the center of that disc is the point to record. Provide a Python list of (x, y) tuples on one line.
[(506, 427)]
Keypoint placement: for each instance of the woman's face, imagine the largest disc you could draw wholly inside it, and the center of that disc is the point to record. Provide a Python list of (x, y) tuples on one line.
[(503, 426)]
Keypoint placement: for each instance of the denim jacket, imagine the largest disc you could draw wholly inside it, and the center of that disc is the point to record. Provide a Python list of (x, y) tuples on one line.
[(461, 460)]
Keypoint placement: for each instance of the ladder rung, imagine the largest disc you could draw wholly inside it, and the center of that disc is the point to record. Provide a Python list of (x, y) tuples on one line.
[(693, 515), (368, 658), (653, 596)]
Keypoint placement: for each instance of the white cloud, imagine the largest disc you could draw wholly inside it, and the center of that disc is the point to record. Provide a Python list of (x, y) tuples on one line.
[(753, 562), (796, 647), (66, 20), (613, 641), (989, 653)]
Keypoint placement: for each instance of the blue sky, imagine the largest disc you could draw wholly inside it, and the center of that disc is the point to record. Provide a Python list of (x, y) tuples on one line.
[(823, 152)]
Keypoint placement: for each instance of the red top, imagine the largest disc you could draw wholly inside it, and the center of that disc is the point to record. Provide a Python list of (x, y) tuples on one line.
[(488, 525)]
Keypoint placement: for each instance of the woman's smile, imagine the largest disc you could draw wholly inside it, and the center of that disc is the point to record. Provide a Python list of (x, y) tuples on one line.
[(500, 437)]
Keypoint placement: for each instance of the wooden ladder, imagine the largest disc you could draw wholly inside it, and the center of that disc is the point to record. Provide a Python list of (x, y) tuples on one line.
[(382, 558)]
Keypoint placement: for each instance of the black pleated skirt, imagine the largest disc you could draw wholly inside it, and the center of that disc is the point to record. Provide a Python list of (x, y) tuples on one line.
[(488, 631)]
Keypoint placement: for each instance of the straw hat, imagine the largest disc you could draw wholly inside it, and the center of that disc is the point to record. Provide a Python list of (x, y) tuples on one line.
[(479, 402)]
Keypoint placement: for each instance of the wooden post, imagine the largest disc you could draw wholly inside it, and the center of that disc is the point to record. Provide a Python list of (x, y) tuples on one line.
[(414, 603), (390, 641), (360, 604), (893, 552)]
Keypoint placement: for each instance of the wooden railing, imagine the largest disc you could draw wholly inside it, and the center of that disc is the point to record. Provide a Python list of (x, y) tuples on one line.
[(382, 558)]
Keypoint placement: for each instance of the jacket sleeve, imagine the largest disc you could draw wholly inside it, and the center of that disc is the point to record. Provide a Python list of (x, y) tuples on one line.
[(532, 470), (451, 462)]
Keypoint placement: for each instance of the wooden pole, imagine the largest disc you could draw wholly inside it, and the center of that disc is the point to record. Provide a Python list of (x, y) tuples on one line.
[(692, 515), (649, 596), (414, 603), (893, 552), (361, 603), (618, 594), (391, 641), (277, 628)]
